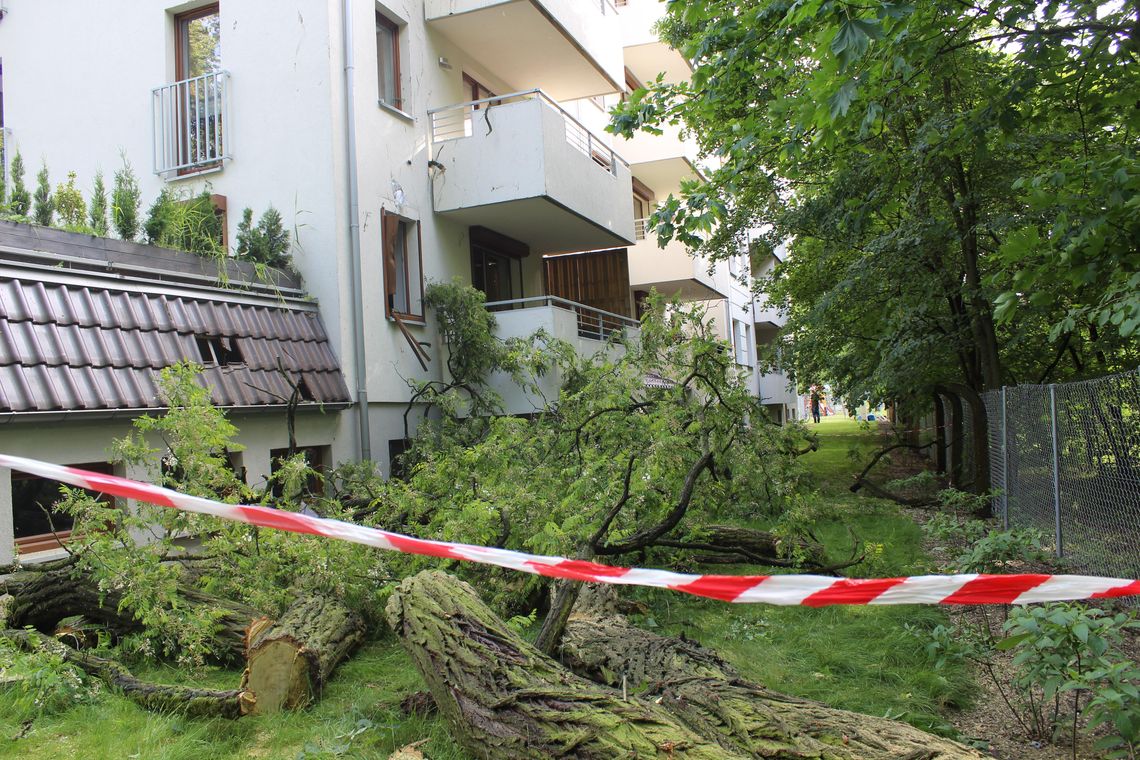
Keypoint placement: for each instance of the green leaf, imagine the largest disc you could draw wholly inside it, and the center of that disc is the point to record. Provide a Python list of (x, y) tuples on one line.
[(840, 102)]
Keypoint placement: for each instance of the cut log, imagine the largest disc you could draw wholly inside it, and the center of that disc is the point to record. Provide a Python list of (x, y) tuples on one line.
[(505, 699), (203, 703), (711, 698), (289, 661), (41, 599)]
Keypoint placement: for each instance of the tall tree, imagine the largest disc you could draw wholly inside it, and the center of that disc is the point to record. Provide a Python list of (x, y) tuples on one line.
[(43, 204), (97, 214), (926, 162)]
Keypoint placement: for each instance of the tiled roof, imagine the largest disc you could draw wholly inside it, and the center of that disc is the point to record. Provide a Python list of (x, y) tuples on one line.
[(67, 346)]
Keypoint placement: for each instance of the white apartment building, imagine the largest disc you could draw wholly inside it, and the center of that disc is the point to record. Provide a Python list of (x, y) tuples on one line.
[(403, 141)]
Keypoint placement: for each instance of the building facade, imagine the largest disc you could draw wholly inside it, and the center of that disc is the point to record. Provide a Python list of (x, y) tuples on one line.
[(403, 142)]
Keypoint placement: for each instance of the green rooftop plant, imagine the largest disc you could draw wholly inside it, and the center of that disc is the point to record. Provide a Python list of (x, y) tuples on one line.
[(69, 203), (43, 204), (125, 202), (20, 200), (266, 243), (97, 214)]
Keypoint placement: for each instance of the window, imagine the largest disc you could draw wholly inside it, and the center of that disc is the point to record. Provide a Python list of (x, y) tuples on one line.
[(741, 339), (317, 459), (33, 515), (642, 208), (199, 95), (496, 264), (403, 267), (388, 61)]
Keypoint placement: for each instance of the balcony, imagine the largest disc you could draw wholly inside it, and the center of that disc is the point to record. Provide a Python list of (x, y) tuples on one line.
[(775, 389), (191, 123), (645, 54), (670, 269), (767, 315), (571, 47), (585, 328), (521, 165)]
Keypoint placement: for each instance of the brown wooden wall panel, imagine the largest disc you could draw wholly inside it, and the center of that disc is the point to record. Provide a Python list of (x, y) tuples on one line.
[(599, 279)]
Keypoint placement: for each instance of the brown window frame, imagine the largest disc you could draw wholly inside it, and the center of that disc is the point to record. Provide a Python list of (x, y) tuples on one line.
[(40, 542), (390, 224), (394, 28)]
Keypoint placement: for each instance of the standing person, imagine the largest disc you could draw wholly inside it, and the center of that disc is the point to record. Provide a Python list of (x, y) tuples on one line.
[(815, 404)]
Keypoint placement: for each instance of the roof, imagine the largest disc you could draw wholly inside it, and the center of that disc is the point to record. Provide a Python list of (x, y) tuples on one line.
[(71, 343)]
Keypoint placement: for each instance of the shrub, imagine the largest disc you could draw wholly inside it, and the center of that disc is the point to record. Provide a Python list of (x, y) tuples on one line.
[(70, 205), (185, 223), (267, 243), (20, 201), (995, 552), (43, 205), (97, 215), (125, 202)]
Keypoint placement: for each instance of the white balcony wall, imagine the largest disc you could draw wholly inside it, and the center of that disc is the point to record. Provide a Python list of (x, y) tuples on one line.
[(519, 173), (571, 48), (562, 323), (645, 55), (672, 271), (644, 148)]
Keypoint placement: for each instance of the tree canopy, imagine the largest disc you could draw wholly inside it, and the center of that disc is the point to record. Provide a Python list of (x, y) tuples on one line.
[(957, 180)]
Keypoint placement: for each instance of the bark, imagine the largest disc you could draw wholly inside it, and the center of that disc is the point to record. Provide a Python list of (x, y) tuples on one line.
[(713, 700), (505, 699), (41, 599), (290, 660), (939, 434), (978, 433), (756, 546), (203, 703)]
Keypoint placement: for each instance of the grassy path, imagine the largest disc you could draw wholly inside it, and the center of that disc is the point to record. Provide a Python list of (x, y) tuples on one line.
[(859, 658)]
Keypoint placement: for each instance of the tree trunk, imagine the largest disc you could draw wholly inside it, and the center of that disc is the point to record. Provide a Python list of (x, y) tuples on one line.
[(42, 598), (754, 543), (978, 434), (203, 703), (505, 699), (290, 660), (712, 699), (939, 434)]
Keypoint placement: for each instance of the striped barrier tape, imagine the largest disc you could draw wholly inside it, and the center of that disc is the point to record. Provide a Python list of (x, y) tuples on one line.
[(807, 590)]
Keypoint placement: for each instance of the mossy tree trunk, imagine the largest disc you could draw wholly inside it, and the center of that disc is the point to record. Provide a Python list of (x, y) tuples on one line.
[(290, 660), (505, 699), (712, 699)]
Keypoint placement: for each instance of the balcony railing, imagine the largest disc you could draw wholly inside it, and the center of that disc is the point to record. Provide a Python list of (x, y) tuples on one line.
[(191, 123), (457, 122), (595, 324), (641, 229)]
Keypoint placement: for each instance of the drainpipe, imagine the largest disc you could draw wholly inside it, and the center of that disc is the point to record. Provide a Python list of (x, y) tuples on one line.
[(354, 236)]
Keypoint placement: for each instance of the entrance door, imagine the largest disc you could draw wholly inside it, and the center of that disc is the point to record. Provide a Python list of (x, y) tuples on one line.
[(496, 265)]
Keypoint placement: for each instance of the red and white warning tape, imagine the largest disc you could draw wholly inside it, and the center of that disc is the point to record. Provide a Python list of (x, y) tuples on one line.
[(808, 590)]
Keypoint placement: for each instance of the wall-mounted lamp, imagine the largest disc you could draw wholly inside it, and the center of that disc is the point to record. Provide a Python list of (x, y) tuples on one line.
[(444, 63)]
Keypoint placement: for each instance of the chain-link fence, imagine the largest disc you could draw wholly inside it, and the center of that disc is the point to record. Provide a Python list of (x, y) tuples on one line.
[(1066, 459)]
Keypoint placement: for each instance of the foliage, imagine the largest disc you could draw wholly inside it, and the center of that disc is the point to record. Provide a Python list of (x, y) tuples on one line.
[(610, 466), (69, 203), (43, 205), (922, 162), (137, 553), (41, 682), (995, 552), (949, 527), (185, 223), (97, 214), (19, 200), (125, 202), (267, 243), (1064, 648)]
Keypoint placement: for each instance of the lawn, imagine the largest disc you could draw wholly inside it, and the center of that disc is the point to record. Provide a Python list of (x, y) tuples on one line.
[(861, 658)]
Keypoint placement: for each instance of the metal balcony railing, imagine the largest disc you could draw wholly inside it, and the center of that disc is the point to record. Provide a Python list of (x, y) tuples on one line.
[(456, 122), (641, 228), (592, 323), (191, 123)]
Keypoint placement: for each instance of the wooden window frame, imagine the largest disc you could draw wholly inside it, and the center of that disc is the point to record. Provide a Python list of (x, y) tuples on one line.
[(389, 228), (394, 28)]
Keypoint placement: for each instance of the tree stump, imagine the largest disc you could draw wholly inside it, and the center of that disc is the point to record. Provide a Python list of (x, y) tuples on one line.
[(289, 661), (505, 699), (711, 698)]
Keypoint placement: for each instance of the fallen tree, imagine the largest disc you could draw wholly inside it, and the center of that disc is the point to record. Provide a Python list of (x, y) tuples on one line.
[(709, 696), (41, 599), (289, 660), (636, 694), (505, 699), (204, 703)]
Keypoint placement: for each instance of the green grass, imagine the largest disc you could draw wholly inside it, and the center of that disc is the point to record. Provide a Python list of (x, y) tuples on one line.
[(858, 658)]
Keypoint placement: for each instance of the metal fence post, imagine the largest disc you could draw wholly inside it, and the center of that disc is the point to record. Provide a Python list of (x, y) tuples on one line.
[(1004, 464), (1056, 468)]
